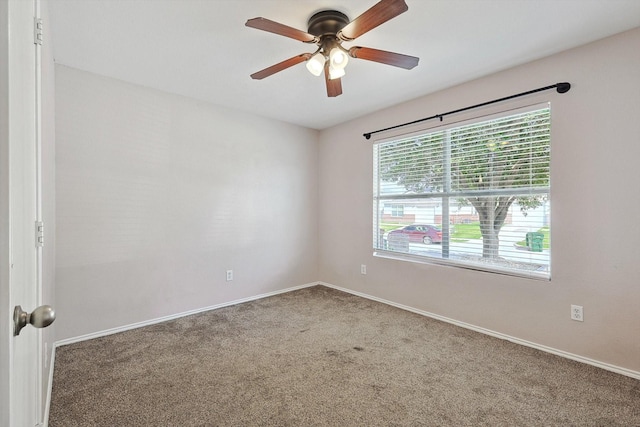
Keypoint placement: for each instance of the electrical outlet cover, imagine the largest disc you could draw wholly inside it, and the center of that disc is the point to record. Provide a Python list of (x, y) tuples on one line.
[(577, 313)]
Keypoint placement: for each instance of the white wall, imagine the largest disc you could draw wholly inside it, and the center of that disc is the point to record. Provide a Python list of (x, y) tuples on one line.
[(158, 195), (596, 234)]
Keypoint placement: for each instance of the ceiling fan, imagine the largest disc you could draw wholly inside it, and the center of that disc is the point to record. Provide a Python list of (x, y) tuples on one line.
[(328, 29)]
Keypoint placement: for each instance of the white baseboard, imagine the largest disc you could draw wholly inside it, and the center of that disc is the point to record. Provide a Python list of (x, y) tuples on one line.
[(175, 316), (561, 353)]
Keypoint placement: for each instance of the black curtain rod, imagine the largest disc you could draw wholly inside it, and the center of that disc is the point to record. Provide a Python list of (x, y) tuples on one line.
[(560, 87)]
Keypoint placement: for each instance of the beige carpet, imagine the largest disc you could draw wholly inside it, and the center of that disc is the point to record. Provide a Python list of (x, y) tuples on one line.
[(320, 357)]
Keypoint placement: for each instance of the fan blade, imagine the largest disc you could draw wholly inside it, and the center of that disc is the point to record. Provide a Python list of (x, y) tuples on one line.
[(390, 58), (378, 14), (280, 66), (334, 87), (280, 29)]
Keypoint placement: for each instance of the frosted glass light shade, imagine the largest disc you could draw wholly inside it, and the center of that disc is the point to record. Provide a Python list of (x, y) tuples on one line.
[(338, 58), (315, 64), (335, 73)]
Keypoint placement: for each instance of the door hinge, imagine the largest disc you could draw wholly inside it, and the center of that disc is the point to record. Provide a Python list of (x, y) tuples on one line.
[(38, 35), (39, 234)]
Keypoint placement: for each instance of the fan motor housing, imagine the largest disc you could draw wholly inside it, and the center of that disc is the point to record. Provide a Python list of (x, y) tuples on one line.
[(327, 22)]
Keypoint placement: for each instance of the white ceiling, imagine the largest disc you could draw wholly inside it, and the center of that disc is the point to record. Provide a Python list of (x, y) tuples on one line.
[(202, 49)]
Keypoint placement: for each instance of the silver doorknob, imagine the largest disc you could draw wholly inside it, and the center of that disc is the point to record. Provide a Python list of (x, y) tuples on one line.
[(41, 317)]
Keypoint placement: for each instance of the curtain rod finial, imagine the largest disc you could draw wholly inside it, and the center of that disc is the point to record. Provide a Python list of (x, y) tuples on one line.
[(563, 87), (367, 135)]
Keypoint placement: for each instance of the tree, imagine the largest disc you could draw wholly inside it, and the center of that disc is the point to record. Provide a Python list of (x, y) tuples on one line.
[(489, 165)]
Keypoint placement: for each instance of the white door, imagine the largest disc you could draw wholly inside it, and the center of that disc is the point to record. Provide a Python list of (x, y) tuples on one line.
[(24, 210)]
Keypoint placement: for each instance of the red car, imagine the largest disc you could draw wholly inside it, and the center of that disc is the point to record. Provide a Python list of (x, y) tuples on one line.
[(420, 233)]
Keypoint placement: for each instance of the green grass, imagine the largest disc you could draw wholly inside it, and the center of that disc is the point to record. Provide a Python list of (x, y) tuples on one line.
[(461, 232), (545, 242), (388, 227), (464, 232)]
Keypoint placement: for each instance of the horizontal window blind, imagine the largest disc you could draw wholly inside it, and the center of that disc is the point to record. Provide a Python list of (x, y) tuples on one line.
[(474, 195)]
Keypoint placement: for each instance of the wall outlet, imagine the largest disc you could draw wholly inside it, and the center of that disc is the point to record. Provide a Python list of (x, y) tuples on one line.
[(363, 269), (229, 275), (576, 313)]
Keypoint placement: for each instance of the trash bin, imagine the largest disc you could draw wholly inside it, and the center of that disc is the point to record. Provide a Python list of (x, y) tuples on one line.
[(382, 242), (398, 242), (534, 241)]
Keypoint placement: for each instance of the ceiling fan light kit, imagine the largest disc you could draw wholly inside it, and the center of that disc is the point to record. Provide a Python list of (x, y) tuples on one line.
[(328, 29), (315, 64), (336, 73), (339, 59)]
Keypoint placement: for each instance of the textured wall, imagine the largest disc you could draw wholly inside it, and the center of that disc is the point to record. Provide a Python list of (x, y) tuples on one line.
[(595, 172), (157, 195)]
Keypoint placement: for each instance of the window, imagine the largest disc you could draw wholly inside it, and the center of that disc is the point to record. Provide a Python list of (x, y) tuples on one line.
[(397, 210), (479, 192)]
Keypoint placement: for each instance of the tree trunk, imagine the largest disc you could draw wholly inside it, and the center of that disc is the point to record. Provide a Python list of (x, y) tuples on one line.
[(490, 239), (492, 211)]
